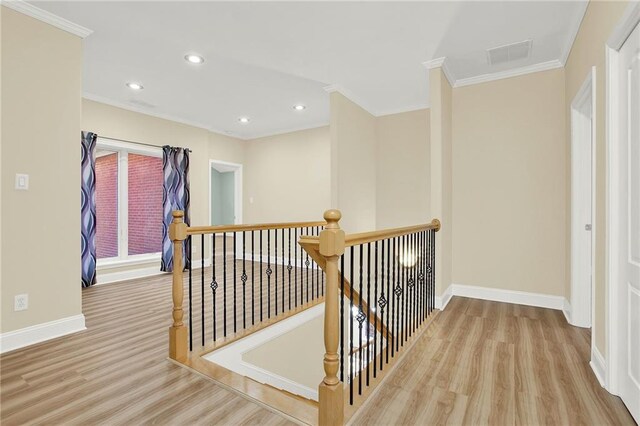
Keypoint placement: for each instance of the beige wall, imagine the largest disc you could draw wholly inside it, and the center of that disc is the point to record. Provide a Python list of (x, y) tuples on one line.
[(589, 50), (41, 92), (509, 172), (288, 177), (441, 173), (303, 365), (106, 120), (353, 168), (403, 169)]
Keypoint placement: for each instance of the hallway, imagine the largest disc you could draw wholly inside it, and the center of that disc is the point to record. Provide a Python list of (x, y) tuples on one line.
[(490, 363)]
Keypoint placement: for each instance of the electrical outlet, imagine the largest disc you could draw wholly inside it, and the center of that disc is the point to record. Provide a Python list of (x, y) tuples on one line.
[(21, 302)]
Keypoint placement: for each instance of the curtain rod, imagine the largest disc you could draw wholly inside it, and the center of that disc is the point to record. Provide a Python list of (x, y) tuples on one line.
[(134, 142)]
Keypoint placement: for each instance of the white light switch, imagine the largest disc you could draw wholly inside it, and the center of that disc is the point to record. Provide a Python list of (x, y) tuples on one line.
[(21, 302), (22, 182)]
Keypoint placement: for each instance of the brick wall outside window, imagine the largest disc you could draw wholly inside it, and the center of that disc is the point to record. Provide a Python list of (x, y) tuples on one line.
[(145, 204), (107, 206)]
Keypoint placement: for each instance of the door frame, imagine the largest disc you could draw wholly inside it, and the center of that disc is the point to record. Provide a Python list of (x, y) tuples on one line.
[(237, 178), (581, 314), (627, 23)]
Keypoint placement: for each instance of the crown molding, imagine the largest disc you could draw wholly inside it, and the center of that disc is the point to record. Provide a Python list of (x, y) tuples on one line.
[(287, 130), (574, 33), (47, 17), (629, 20), (484, 78), (441, 63), (146, 111)]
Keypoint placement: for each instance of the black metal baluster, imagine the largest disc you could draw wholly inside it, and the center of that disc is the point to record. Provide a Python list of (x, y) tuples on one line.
[(283, 277), (368, 308), (295, 266), (393, 300), (235, 305), (389, 301), (202, 285), (306, 265), (403, 283), (313, 281), (361, 317), (289, 268), (214, 283), (351, 372), (375, 308), (321, 228), (275, 268), (224, 283), (261, 274), (243, 278), (397, 289), (269, 271), (382, 302), (412, 279), (342, 318), (433, 267), (410, 285), (420, 279), (318, 270), (253, 282), (190, 296)]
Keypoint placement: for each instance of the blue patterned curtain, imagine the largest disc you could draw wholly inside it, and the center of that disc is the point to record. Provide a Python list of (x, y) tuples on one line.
[(88, 209), (175, 196)]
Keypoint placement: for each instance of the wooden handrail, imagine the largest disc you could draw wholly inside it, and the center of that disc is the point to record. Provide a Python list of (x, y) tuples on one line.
[(311, 244), (197, 230), (370, 237)]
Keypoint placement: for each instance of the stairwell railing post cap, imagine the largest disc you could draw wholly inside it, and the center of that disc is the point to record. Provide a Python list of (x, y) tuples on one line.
[(332, 237), (332, 217), (178, 229), (437, 224)]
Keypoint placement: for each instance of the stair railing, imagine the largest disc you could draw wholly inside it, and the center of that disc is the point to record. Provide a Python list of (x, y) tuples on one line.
[(387, 278), (249, 277)]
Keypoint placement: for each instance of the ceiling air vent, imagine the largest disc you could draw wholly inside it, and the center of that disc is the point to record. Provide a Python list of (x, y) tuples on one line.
[(509, 52)]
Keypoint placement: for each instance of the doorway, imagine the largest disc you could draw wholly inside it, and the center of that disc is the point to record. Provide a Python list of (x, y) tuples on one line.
[(582, 203), (225, 193)]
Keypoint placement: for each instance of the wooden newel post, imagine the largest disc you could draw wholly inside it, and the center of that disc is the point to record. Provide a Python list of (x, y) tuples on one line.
[(178, 331), (330, 391)]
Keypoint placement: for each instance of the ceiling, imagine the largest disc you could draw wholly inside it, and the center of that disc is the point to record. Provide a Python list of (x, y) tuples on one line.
[(262, 58)]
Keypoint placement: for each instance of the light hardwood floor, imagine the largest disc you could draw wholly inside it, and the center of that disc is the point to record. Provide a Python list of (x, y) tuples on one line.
[(117, 372), (489, 363), (478, 363)]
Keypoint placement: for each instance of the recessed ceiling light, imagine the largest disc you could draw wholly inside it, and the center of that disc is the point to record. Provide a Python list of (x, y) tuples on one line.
[(244, 120), (299, 107), (135, 86), (194, 59)]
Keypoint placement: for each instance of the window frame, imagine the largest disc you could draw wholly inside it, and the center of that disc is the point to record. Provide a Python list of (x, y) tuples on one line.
[(123, 149)]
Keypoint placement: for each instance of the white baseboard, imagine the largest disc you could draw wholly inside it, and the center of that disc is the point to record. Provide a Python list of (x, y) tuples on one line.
[(509, 296), (443, 300), (150, 271), (500, 295), (39, 333), (598, 366), (113, 277), (566, 310)]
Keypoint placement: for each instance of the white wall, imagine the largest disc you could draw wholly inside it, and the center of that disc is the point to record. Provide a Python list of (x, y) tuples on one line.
[(41, 91), (403, 169), (353, 167), (288, 177), (509, 171)]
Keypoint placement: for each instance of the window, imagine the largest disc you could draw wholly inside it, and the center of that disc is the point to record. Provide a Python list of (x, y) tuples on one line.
[(128, 202)]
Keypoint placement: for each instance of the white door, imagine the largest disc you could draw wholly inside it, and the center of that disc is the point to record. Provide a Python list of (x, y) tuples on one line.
[(628, 261), (581, 203)]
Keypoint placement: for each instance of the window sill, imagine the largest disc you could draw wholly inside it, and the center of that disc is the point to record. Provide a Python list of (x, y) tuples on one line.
[(138, 260)]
